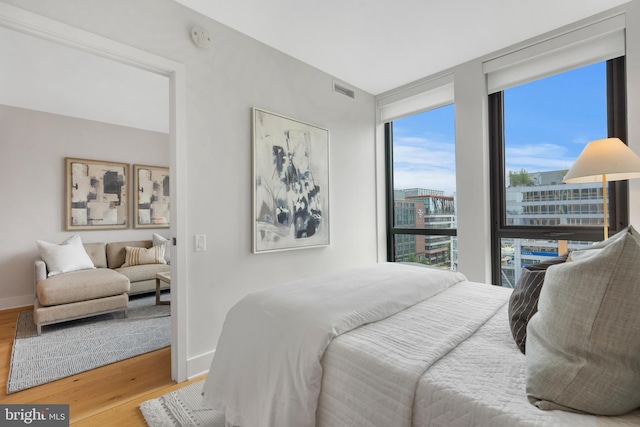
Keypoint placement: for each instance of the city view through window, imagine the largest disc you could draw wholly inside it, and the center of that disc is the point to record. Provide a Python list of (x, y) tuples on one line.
[(547, 123), (424, 179)]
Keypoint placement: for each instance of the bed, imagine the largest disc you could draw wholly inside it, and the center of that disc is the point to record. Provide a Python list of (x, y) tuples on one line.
[(383, 345)]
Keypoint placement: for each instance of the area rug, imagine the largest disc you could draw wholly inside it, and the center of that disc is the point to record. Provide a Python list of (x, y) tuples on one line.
[(68, 348), (181, 408)]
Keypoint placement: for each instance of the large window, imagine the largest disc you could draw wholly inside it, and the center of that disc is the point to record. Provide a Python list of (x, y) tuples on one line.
[(421, 189), (537, 130)]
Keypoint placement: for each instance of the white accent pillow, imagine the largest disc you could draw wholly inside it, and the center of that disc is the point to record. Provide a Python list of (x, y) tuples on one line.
[(158, 240), (65, 257)]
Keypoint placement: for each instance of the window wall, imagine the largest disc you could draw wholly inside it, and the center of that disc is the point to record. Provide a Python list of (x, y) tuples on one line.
[(593, 40)]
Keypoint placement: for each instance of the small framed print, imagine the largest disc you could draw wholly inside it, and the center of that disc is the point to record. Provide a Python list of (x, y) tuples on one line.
[(152, 197)]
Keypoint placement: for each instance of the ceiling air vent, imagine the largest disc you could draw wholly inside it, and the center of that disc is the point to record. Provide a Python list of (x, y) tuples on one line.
[(339, 88)]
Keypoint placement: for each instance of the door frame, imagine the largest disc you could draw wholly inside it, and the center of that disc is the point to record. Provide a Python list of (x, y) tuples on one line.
[(14, 18)]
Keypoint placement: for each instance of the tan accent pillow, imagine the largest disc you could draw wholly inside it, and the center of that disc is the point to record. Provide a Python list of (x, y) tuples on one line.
[(139, 256), (582, 344)]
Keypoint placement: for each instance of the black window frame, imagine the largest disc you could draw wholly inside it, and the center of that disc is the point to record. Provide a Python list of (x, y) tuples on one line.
[(392, 230), (618, 190)]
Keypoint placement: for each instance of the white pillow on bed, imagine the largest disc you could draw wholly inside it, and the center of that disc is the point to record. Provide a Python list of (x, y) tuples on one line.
[(66, 257), (582, 345)]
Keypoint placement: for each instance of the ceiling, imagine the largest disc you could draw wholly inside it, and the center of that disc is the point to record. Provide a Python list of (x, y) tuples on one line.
[(40, 75), (374, 45), (378, 45)]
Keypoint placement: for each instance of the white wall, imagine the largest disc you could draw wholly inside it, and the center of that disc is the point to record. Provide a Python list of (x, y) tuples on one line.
[(223, 83), (472, 145), (32, 171), (633, 101)]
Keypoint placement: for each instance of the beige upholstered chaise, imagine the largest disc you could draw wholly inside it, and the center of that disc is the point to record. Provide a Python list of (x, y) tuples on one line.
[(84, 293)]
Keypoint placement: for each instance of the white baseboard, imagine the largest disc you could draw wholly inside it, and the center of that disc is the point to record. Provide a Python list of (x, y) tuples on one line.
[(199, 365), (15, 302)]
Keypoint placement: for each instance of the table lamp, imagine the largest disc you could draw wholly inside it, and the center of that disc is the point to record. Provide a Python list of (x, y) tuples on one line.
[(603, 160)]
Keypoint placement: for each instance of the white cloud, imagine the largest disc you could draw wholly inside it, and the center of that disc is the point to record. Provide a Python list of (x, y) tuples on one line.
[(538, 157), (423, 163)]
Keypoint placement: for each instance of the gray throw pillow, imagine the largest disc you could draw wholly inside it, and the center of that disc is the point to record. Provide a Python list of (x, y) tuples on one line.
[(523, 302), (583, 351)]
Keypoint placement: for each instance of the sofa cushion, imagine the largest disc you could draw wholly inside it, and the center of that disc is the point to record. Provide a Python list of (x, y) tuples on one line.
[(141, 256), (68, 256), (81, 286), (143, 272), (96, 252), (116, 251), (582, 345), (57, 313)]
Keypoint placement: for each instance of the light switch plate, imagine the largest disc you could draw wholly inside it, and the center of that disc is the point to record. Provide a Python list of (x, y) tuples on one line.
[(201, 243)]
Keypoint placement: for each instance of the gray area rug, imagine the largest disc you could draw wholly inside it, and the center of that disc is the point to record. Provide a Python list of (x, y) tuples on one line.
[(181, 408), (68, 348)]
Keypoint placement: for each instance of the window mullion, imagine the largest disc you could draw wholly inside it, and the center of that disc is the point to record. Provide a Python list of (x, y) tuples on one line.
[(496, 142), (617, 127)]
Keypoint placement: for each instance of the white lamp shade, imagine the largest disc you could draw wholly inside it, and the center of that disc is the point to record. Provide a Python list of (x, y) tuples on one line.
[(609, 157)]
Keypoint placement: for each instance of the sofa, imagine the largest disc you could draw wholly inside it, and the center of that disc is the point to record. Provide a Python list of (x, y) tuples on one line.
[(89, 291)]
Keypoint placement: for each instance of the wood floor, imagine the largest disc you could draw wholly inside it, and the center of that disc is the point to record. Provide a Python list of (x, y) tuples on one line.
[(107, 396)]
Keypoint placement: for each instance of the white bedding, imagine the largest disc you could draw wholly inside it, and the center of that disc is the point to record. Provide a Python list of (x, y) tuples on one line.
[(370, 374), (482, 383), (266, 370), (389, 345)]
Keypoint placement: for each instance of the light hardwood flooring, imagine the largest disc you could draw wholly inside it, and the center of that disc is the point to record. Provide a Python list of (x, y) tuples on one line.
[(107, 396)]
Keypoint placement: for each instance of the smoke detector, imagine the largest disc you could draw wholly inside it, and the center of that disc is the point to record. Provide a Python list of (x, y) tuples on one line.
[(200, 37)]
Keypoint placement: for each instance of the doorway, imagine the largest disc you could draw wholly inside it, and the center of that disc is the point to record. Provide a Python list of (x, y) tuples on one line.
[(14, 18)]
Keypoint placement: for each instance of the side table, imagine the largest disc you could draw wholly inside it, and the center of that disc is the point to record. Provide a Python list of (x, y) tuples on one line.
[(162, 277)]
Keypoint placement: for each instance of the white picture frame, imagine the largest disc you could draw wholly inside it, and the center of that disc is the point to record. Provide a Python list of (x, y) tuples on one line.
[(290, 183)]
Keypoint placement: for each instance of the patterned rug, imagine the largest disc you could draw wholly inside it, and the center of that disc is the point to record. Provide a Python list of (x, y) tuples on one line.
[(68, 348), (181, 408)]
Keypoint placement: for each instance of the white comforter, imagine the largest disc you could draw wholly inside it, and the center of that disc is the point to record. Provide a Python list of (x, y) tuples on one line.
[(266, 371), (482, 382), (449, 361), (371, 373)]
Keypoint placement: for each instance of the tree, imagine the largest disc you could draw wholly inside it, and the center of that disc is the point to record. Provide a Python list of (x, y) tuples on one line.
[(517, 179)]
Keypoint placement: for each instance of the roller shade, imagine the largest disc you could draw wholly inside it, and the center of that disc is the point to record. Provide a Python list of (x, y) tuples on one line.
[(416, 99), (597, 42)]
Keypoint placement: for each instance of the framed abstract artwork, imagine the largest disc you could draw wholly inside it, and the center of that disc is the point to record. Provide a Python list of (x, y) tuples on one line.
[(96, 194), (151, 206), (290, 183)]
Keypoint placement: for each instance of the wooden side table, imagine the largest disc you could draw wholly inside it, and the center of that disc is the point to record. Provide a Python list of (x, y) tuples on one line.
[(162, 277)]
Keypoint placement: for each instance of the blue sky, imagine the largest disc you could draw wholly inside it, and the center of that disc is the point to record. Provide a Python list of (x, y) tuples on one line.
[(547, 124)]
